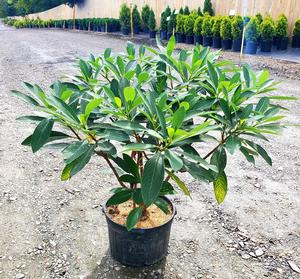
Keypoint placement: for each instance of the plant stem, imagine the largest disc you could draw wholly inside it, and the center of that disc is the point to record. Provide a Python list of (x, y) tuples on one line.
[(75, 133)]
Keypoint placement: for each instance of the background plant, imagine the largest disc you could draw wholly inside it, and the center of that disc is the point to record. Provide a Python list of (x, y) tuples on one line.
[(151, 21), (252, 30), (125, 16), (281, 26), (206, 26), (267, 30), (186, 10), (237, 25), (198, 26), (216, 26), (208, 8), (172, 22), (296, 30), (225, 29), (189, 23), (163, 19), (136, 18), (145, 16)]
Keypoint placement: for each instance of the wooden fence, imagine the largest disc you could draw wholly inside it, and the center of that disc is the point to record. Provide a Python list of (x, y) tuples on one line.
[(110, 8)]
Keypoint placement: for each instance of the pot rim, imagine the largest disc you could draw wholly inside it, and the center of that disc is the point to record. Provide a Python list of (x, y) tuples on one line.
[(103, 206)]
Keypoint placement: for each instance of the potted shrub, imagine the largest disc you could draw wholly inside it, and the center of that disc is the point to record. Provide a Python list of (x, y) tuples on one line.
[(208, 8), (186, 10), (296, 34), (124, 19), (147, 141), (216, 27), (225, 33), (171, 25), (145, 18), (180, 36), (207, 31), (136, 20), (251, 35), (237, 26), (199, 12), (189, 27), (164, 23), (267, 31), (281, 29), (198, 30), (152, 24)]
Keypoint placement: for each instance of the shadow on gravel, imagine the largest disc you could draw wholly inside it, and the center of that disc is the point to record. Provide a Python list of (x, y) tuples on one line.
[(110, 269)]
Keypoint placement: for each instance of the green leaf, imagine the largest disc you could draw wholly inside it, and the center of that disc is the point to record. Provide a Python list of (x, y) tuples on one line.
[(129, 178), (75, 150), (134, 169), (262, 105), (167, 189), (120, 197), (171, 45), (247, 155), (31, 118), (180, 183), (260, 151), (85, 68), (143, 77), (162, 204), (219, 159), (24, 98), (64, 108), (283, 98), (212, 74), (129, 125), (178, 118), (91, 106), (152, 179), (246, 111), (41, 134), (199, 172), (133, 218), (54, 135), (162, 121), (107, 147), (232, 144), (129, 93), (138, 147), (225, 108), (220, 187), (246, 75), (137, 196), (175, 161)]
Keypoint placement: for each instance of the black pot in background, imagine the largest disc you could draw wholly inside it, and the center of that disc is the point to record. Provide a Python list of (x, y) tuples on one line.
[(216, 42), (136, 30), (179, 38), (207, 41), (236, 45), (226, 44), (189, 39), (296, 41), (145, 30), (275, 39), (266, 45), (139, 247), (102, 28), (125, 30), (251, 47), (282, 43), (163, 35), (152, 34), (169, 35), (198, 40)]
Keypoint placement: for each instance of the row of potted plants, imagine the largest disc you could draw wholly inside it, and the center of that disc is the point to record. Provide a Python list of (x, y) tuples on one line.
[(91, 24), (226, 31)]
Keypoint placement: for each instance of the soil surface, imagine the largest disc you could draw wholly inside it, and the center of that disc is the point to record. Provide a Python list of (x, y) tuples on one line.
[(51, 229), (155, 216)]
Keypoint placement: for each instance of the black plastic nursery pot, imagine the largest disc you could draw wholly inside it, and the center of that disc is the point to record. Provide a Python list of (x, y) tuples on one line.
[(198, 39), (139, 247), (266, 45), (189, 39), (251, 47), (136, 30), (207, 41), (216, 42), (152, 34), (169, 35), (163, 35), (179, 38), (125, 31), (226, 44), (145, 30), (282, 43), (296, 41), (236, 45), (102, 28)]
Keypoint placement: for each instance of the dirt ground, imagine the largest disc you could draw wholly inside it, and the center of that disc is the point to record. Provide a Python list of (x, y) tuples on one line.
[(51, 229)]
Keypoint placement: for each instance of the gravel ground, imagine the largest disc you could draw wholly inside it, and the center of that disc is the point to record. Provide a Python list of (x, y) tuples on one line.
[(51, 229)]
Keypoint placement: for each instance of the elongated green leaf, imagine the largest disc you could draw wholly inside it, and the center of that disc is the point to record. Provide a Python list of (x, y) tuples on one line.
[(246, 111), (129, 93), (129, 125), (162, 204), (232, 144), (178, 118), (262, 105), (167, 189), (86, 69), (212, 74), (219, 159), (152, 179), (31, 118), (91, 106), (220, 187), (138, 147), (129, 178), (107, 147), (260, 151), (24, 98), (120, 197), (134, 169), (54, 135), (41, 134), (133, 218), (75, 150), (171, 45), (180, 183), (175, 161), (248, 156)]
